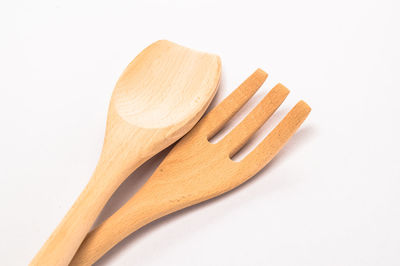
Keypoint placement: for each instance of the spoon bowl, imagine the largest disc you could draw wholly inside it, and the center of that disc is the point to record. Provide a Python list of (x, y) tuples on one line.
[(143, 99)]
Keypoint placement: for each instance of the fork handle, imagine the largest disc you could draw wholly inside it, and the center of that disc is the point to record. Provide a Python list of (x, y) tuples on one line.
[(66, 238), (133, 215)]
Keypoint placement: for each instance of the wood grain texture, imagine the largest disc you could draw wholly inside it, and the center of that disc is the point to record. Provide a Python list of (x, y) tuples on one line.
[(196, 170), (159, 97)]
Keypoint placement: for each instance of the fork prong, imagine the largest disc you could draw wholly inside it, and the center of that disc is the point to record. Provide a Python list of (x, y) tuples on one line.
[(224, 111), (278, 137), (235, 140)]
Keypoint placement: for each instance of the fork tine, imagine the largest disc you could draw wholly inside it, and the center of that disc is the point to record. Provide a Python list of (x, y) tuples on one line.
[(278, 137), (235, 140), (224, 111)]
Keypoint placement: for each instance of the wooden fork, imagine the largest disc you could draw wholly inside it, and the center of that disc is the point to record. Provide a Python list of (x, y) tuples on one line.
[(196, 170)]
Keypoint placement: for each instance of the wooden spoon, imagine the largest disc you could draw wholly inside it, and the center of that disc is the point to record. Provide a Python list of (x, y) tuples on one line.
[(159, 97)]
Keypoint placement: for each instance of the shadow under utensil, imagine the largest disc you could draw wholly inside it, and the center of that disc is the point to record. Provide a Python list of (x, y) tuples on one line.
[(298, 139)]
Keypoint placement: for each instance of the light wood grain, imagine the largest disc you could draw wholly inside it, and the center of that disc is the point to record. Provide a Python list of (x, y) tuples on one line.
[(196, 170), (159, 97)]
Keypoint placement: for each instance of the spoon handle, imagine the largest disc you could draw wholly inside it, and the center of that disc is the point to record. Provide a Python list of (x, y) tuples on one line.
[(66, 238)]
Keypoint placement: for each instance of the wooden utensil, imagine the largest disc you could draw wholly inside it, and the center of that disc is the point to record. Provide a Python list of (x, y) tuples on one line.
[(196, 170), (160, 96)]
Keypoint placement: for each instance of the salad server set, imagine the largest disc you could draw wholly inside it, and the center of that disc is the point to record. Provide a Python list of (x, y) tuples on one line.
[(160, 98)]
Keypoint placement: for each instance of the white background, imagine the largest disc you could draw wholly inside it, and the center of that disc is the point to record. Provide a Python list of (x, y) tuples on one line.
[(331, 197)]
